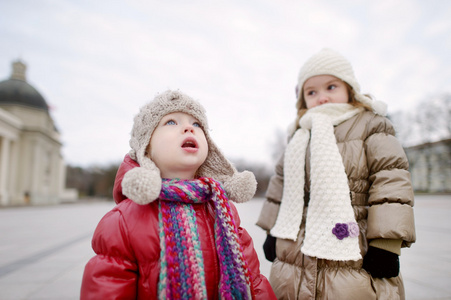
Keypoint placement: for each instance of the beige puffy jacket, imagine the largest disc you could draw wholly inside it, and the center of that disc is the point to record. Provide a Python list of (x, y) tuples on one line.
[(382, 199)]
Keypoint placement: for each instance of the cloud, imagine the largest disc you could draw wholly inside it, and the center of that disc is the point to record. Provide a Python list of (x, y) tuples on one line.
[(98, 62)]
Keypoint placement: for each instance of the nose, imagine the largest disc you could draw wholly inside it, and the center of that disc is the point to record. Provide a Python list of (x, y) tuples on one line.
[(188, 128), (323, 98)]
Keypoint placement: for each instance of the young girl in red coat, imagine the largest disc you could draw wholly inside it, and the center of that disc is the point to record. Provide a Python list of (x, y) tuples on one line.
[(174, 234)]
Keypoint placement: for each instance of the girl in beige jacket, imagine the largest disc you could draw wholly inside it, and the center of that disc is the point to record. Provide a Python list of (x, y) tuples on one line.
[(340, 206)]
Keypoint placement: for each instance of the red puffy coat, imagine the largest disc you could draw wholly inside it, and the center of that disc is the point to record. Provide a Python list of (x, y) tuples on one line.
[(126, 242)]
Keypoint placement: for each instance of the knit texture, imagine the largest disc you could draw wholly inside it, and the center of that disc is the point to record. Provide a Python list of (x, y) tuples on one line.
[(330, 62), (331, 229), (182, 274), (143, 184)]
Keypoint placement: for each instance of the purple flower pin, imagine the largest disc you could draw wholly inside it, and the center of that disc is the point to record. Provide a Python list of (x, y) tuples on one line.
[(340, 230), (353, 228)]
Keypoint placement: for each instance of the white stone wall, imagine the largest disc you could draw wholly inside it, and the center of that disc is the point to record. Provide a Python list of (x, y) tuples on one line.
[(430, 166), (31, 169)]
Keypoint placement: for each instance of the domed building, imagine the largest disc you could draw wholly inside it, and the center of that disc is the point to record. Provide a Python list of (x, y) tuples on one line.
[(32, 169)]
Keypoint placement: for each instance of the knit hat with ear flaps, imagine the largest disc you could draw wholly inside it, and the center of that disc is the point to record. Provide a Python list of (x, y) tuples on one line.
[(330, 62), (143, 184)]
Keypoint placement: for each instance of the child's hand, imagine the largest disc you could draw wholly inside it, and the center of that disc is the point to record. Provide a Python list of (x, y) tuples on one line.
[(381, 263), (269, 247)]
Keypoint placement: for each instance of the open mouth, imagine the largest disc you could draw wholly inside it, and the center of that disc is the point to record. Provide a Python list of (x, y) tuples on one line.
[(189, 143)]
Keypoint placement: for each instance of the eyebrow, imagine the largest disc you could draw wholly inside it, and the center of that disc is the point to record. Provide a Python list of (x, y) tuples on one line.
[(327, 83)]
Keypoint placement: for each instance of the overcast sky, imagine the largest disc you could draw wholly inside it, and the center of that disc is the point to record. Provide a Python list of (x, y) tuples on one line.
[(97, 62)]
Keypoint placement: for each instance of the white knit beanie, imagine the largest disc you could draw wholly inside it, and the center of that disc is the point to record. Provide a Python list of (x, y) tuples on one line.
[(143, 184), (330, 62)]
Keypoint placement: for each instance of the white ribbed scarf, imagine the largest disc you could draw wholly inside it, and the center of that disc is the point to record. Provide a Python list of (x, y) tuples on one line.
[(331, 229)]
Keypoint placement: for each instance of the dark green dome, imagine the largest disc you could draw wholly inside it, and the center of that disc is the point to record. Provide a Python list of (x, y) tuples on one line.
[(16, 90)]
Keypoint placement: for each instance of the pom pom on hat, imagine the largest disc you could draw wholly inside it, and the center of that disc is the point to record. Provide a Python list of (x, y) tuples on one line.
[(241, 187), (379, 107), (143, 184)]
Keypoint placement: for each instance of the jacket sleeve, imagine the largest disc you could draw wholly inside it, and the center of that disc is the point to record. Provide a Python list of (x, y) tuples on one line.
[(262, 288), (112, 273), (270, 209), (391, 197)]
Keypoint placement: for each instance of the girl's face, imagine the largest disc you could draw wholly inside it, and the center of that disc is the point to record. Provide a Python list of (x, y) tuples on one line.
[(323, 89), (178, 146)]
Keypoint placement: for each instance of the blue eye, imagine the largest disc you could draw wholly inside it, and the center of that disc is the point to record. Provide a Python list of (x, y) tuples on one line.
[(170, 122), (332, 87), (195, 124)]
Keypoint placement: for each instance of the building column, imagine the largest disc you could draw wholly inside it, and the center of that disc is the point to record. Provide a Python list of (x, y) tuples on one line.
[(54, 176), (4, 164), (13, 171)]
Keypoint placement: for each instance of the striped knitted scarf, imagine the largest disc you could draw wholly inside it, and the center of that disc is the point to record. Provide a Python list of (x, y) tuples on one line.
[(182, 273)]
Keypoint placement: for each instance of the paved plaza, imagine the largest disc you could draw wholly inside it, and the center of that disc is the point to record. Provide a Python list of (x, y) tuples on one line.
[(43, 250)]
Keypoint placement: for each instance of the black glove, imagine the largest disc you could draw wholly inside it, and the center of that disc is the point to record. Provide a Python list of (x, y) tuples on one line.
[(381, 263), (269, 247)]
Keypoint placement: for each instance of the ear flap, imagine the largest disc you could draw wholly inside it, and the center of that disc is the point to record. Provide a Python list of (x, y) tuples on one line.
[(240, 187)]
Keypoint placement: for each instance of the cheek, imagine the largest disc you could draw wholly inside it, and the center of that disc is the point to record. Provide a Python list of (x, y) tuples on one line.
[(310, 103), (345, 99), (345, 96), (155, 145), (204, 146), (152, 151)]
